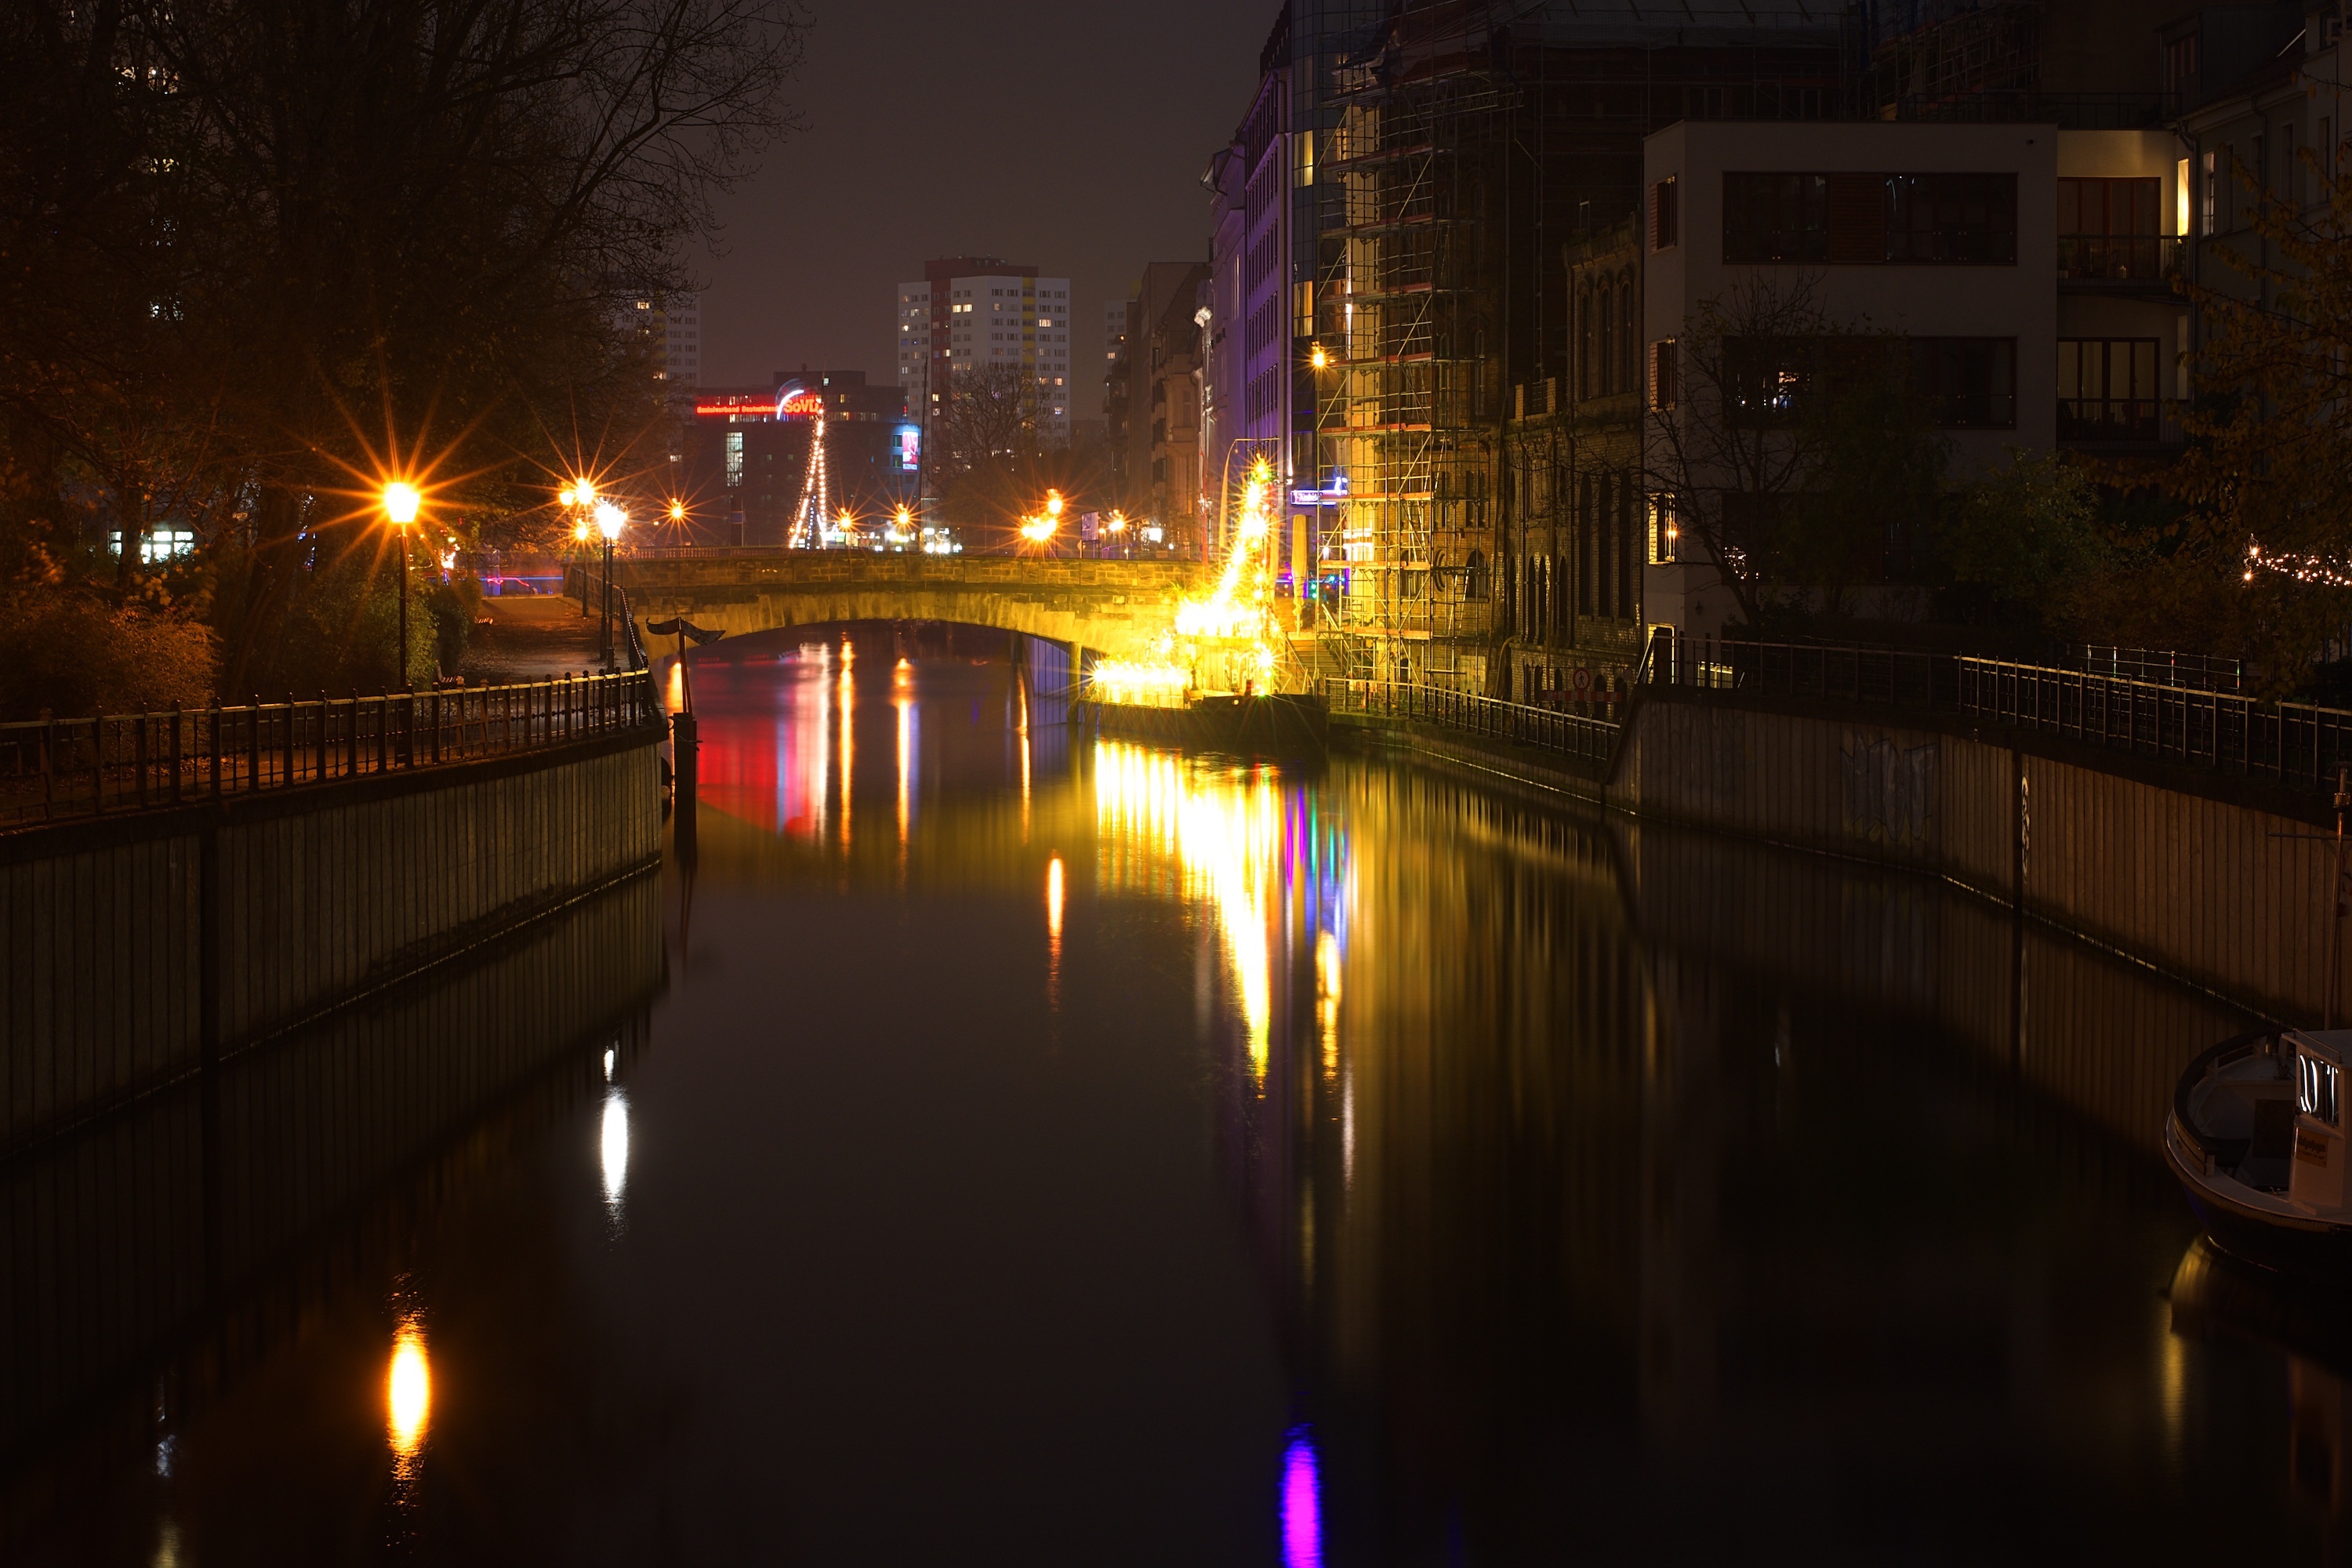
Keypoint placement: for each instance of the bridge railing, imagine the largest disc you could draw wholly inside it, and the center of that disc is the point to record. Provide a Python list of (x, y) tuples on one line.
[(59, 769), (1547, 729)]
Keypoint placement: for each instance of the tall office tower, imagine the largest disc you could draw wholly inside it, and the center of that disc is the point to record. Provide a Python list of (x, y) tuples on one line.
[(971, 313)]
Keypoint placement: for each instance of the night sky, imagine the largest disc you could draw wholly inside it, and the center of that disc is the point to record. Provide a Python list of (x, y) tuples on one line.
[(1070, 133)]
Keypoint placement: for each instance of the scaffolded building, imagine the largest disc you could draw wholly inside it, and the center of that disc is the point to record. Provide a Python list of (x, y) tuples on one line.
[(1440, 156)]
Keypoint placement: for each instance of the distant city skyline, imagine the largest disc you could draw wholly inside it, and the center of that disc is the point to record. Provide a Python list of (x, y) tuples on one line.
[(1090, 168)]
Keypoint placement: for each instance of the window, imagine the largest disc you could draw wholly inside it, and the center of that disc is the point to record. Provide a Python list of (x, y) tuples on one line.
[(734, 460), (1665, 532), (1665, 215), (1775, 218), (2315, 1087), (1969, 219), (1663, 386), (1867, 219), (2205, 225), (1767, 380), (2180, 67), (2108, 389), (2110, 228), (1966, 382)]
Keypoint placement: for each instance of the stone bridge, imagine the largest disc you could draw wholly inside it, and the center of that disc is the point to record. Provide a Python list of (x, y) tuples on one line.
[(1111, 608)]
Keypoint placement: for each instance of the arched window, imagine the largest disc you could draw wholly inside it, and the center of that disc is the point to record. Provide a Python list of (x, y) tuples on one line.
[(1473, 576), (1608, 313)]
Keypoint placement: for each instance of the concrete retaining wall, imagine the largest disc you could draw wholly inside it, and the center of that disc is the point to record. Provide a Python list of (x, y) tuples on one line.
[(2228, 893), (134, 949), (2219, 882)]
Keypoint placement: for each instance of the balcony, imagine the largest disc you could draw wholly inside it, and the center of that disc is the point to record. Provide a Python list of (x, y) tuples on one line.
[(2110, 419), (2139, 260)]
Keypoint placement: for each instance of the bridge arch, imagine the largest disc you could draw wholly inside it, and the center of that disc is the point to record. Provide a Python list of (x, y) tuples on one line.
[(1114, 609)]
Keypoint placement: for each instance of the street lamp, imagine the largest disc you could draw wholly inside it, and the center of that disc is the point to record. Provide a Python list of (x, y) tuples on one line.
[(400, 503), (609, 520)]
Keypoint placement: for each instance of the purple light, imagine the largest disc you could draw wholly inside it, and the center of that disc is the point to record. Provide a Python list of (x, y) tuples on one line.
[(1302, 1505)]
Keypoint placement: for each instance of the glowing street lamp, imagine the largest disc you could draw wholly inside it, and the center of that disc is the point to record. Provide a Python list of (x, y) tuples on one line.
[(678, 512), (1037, 530), (579, 498), (400, 503), (1318, 359)]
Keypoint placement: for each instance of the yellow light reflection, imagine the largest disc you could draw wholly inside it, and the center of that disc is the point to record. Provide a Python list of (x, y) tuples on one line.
[(1327, 1000), (408, 1392), (1053, 902), (1227, 839)]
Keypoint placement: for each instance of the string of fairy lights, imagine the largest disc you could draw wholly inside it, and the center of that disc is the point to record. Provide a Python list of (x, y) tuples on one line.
[(2315, 569), (1227, 638), (817, 492)]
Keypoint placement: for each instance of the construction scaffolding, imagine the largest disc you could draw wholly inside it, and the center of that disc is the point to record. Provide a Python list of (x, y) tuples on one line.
[(1403, 314), (1449, 152)]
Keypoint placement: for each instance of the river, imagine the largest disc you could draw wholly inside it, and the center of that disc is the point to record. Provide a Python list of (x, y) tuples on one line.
[(990, 1145)]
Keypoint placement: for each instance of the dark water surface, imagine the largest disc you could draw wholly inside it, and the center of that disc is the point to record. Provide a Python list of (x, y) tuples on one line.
[(997, 1147)]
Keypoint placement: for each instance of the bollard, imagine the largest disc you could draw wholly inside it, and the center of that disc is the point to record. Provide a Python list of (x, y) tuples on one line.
[(683, 768)]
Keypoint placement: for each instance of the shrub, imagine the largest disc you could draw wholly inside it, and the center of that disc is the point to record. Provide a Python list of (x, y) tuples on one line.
[(75, 655)]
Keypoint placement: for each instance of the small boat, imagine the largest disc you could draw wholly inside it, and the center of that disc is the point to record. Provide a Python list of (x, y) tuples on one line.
[(2256, 1135)]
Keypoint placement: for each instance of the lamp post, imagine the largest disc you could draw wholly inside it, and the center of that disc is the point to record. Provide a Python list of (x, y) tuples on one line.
[(400, 503), (609, 520), (578, 501)]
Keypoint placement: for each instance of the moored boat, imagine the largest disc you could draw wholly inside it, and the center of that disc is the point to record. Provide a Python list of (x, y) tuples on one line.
[(2256, 1135)]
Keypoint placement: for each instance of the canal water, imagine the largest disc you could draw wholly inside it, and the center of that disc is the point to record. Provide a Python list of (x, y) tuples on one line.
[(991, 1144)]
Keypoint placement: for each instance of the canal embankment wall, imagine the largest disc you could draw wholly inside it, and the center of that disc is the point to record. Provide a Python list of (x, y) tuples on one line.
[(156, 1253), (2219, 882), (136, 950)]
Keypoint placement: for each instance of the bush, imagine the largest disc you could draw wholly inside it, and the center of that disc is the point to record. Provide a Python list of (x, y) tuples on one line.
[(76, 656), (455, 607), (339, 633)]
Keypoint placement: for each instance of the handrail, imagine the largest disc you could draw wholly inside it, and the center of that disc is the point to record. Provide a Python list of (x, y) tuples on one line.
[(1549, 729), (62, 769), (2299, 744)]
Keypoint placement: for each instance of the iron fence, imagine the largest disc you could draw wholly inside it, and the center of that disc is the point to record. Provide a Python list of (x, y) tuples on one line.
[(1548, 728), (58, 769)]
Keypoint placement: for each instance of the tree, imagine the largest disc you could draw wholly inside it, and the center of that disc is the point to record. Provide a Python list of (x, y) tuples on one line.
[(2026, 543), (1791, 449), (987, 437), (269, 250)]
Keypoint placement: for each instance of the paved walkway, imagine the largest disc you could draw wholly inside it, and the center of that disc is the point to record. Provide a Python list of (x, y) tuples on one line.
[(531, 639)]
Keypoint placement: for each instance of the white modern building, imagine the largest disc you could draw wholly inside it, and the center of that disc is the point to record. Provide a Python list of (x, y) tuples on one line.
[(972, 313)]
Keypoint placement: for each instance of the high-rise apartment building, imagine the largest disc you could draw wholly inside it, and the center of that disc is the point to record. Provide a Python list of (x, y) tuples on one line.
[(671, 324), (971, 313)]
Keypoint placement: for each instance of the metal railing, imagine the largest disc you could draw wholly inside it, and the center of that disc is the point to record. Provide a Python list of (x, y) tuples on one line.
[(2118, 258), (1863, 676), (628, 647), (1548, 728), (59, 769), (2196, 672), (2294, 743)]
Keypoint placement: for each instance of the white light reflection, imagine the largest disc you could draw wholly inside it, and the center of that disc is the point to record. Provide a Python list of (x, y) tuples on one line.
[(613, 1145)]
